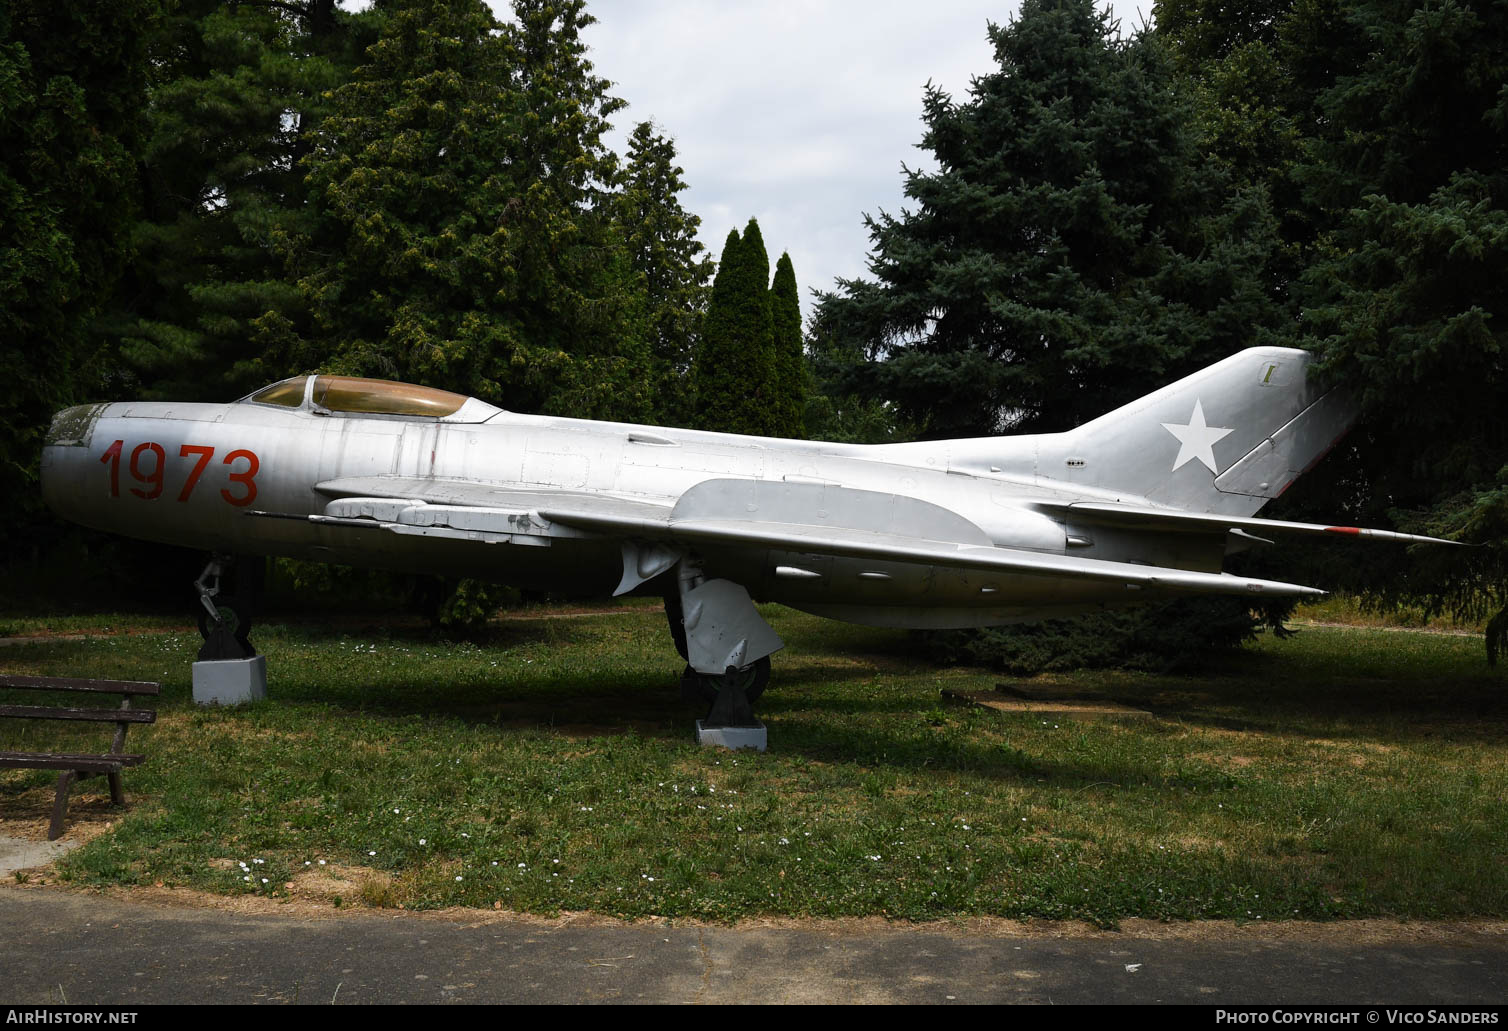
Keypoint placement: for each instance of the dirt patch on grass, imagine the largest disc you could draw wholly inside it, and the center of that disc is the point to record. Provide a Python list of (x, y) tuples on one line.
[(326, 883), (1362, 625), (46, 635), (29, 814)]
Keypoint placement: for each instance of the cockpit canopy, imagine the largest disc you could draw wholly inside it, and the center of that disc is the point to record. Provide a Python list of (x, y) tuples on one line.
[(355, 396)]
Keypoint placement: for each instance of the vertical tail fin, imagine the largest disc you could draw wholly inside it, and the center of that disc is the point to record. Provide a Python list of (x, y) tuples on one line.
[(1226, 439)]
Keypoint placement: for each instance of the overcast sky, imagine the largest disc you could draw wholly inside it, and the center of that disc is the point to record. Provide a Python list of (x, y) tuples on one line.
[(796, 112)]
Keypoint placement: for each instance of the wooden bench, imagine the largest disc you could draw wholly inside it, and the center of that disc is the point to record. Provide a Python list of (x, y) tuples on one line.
[(76, 766)]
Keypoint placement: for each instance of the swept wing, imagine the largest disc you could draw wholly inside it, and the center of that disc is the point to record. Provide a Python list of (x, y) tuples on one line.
[(883, 527)]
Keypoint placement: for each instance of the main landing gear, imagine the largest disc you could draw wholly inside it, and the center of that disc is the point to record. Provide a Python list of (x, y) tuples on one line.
[(726, 645)]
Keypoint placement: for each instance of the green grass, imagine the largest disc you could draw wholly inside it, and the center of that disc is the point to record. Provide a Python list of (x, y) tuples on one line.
[(1347, 610), (1345, 772)]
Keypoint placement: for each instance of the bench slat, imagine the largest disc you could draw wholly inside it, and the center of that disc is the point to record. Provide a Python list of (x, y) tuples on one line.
[(128, 687), (60, 761), (48, 712)]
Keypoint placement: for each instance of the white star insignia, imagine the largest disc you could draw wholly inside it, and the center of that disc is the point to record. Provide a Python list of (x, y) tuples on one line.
[(1196, 440)]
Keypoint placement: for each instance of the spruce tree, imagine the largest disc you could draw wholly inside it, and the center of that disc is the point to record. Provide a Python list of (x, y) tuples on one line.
[(788, 402), (1070, 252), (1405, 294), (734, 374), (668, 261), (1379, 129), (1073, 250)]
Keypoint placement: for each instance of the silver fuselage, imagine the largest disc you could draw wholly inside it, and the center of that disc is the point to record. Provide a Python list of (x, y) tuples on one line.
[(192, 474)]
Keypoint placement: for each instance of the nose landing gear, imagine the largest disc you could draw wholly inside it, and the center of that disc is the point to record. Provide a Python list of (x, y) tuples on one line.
[(224, 619)]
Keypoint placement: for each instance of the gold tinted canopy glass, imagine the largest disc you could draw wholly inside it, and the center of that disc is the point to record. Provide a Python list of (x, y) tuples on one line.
[(383, 397)]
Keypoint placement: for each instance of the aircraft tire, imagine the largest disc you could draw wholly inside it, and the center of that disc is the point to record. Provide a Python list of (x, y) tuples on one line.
[(703, 686), (676, 618), (233, 613)]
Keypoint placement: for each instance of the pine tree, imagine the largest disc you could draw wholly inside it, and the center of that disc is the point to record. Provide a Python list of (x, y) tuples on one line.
[(1073, 250), (236, 92), (734, 374), (673, 272), (1070, 252), (788, 402)]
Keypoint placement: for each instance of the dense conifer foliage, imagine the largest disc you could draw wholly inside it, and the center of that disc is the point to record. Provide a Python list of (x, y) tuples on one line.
[(73, 80), (1070, 251), (672, 273), (237, 92), (462, 234), (1380, 130), (734, 374), (789, 395)]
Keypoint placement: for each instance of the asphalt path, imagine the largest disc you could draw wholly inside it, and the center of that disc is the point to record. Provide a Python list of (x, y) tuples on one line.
[(79, 948)]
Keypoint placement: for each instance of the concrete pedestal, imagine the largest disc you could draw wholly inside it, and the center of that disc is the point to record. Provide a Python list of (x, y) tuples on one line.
[(230, 681), (732, 737)]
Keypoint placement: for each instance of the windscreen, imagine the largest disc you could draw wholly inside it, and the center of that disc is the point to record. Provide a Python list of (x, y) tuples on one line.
[(289, 393)]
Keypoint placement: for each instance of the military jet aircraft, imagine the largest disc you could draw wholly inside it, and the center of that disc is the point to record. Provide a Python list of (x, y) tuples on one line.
[(1138, 505)]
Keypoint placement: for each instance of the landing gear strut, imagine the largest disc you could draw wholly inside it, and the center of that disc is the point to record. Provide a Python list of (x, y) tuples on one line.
[(717, 629)]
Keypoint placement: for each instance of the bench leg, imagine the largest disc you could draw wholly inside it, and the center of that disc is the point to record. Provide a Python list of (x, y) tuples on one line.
[(60, 804), (117, 795)]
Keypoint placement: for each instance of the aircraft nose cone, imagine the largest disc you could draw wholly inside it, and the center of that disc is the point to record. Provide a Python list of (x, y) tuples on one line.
[(71, 427), (65, 455)]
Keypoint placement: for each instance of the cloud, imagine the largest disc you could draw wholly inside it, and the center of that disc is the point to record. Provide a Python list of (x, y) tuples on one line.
[(800, 114)]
